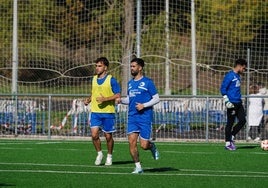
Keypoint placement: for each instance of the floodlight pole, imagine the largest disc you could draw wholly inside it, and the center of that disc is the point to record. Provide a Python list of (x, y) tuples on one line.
[(167, 62), (193, 48), (15, 61), (248, 80), (15, 49), (138, 28)]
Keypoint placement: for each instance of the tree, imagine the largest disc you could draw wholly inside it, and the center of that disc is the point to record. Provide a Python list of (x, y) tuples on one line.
[(228, 24)]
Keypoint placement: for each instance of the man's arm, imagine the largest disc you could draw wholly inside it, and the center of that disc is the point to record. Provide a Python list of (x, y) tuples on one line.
[(102, 99), (224, 87), (155, 99), (116, 90)]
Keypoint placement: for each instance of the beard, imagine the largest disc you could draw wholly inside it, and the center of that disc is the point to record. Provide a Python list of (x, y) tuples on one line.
[(99, 73), (134, 73)]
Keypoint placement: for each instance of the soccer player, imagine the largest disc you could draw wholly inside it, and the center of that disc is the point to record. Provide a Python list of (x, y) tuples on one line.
[(141, 96), (105, 89), (231, 91), (255, 112)]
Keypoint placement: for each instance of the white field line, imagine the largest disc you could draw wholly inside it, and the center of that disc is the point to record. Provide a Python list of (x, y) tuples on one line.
[(144, 174), (181, 172), (177, 143), (26, 148), (162, 151)]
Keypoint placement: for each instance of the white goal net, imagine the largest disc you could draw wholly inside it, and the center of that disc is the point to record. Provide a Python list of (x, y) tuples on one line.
[(58, 41)]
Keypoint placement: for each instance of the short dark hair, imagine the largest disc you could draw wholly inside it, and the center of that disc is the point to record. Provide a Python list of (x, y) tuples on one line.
[(104, 60), (241, 62), (139, 61)]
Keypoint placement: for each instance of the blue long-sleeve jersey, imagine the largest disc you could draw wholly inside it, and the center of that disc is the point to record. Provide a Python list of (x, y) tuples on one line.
[(231, 87)]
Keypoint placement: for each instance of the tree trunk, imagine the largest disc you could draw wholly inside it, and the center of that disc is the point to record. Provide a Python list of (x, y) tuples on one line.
[(127, 43)]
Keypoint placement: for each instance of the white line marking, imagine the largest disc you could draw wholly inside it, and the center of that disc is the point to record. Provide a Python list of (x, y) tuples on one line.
[(61, 165), (228, 172), (144, 174)]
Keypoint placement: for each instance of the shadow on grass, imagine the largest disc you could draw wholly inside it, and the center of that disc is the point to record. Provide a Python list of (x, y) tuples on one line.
[(162, 169), (247, 147), (7, 185), (121, 162)]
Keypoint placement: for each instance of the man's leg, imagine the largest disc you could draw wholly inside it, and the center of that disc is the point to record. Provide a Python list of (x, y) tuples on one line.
[(241, 119), (97, 144), (110, 142), (229, 125), (133, 150), (95, 138), (110, 147), (229, 144), (146, 144)]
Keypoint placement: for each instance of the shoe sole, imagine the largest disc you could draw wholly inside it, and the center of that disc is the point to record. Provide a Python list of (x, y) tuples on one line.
[(230, 149), (140, 172)]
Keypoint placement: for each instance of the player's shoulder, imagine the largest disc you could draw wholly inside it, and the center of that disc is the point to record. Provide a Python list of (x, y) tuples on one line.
[(112, 77), (229, 74), (145, 78), (114, 81)]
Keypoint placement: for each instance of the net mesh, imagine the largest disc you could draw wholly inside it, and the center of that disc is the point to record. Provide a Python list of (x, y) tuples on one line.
[(58, 42)]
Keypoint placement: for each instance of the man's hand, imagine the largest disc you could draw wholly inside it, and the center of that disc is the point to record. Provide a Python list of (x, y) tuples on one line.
[(100, 99), (139, 106), (87, 101), (117, 100), (228, 104)]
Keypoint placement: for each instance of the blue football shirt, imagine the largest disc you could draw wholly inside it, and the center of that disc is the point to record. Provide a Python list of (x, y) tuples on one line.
[(231, 86), (141, 91)]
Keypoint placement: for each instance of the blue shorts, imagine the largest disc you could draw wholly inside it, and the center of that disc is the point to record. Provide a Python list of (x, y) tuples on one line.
[(144, 128), (105, 121)]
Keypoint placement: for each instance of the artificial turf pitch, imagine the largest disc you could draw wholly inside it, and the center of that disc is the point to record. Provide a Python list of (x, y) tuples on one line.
[(70, 164)]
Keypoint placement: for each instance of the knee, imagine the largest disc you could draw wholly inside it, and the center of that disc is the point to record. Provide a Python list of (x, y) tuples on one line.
[(109, 137), (144, 145), (95, 136)]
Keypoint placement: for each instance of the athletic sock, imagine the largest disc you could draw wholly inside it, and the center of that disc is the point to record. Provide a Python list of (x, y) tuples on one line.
[(138, 165), (227, 143)]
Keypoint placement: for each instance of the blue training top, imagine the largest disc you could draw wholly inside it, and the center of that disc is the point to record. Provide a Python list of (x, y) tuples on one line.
[(141, 91), (231, 87)]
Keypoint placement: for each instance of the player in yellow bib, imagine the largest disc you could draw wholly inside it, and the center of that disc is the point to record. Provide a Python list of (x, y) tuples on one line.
[(105, 90)]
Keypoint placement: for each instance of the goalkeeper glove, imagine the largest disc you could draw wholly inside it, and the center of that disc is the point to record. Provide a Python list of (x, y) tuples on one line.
[(228, 104)]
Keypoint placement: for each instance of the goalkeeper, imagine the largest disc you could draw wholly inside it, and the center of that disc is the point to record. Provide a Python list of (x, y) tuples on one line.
[(231, 91)]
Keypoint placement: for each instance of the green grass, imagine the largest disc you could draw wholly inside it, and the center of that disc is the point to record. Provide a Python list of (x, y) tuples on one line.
[(61, 163)]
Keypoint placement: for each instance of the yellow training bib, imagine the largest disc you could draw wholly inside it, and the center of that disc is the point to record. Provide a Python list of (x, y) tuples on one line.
[(104, 89)]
